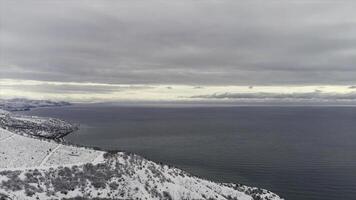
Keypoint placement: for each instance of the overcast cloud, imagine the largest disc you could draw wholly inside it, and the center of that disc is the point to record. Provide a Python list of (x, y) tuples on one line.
[(315, 96), (179, 42)]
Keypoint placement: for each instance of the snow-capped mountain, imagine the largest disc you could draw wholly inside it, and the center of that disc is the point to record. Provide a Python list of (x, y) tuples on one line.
[(20, 104)]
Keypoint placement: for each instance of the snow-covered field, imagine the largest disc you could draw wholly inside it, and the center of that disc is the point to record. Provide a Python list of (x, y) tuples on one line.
[(33, 168), (24, 152)]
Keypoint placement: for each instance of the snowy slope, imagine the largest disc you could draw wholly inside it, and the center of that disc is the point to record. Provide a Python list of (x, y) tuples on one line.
[(24, 152), (31, 168), (36, 126), (119, 176)]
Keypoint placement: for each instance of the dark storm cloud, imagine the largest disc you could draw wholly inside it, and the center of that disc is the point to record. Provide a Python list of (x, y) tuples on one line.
[(182, 42)]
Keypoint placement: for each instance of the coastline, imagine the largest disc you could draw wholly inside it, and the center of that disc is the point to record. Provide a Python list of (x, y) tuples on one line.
[(172, 183)]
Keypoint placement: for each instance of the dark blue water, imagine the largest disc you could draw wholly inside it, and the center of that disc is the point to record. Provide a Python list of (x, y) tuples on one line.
[(301, 153)]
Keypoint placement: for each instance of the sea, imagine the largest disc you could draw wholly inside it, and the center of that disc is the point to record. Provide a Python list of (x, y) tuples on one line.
[(298, 152)]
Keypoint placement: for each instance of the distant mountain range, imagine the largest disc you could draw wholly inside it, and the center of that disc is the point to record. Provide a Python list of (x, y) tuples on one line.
[(21, 104)]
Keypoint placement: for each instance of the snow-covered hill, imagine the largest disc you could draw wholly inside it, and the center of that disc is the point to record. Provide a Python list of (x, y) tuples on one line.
[(36, 126), (20, 104), (33, 168)]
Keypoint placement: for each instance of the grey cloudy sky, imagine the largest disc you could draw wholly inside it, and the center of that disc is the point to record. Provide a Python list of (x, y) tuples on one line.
[(179, 42)]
